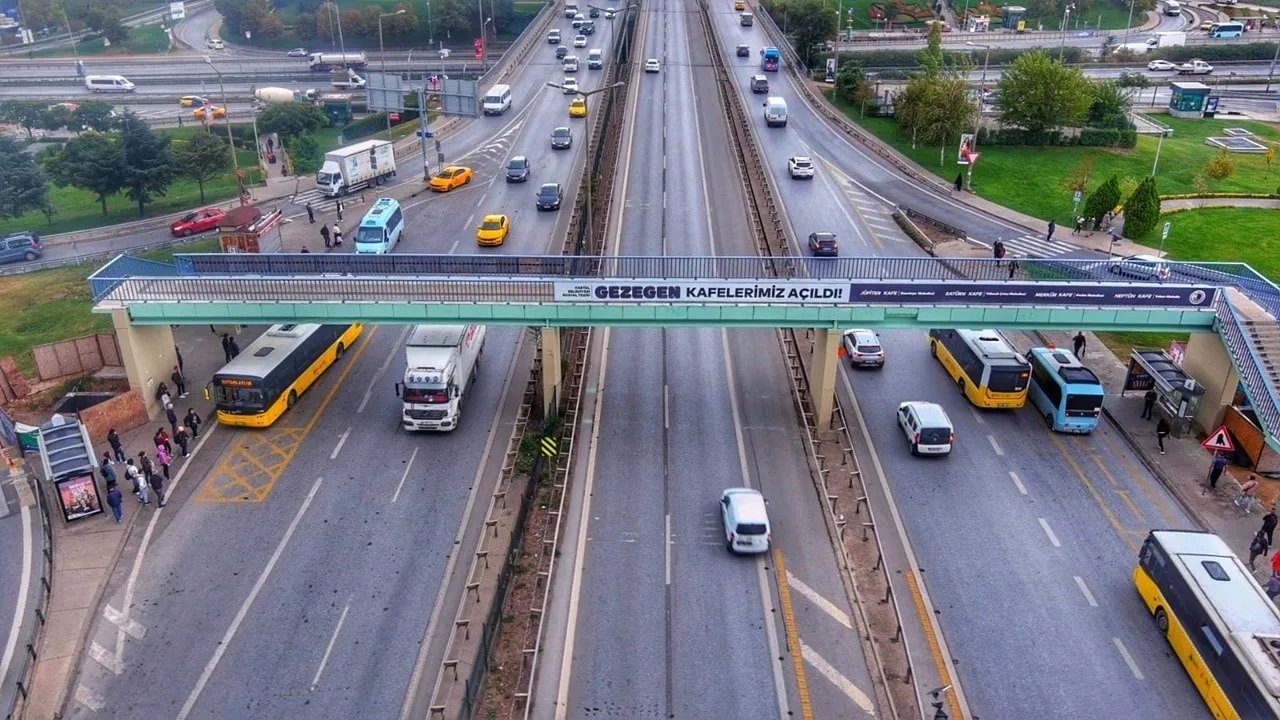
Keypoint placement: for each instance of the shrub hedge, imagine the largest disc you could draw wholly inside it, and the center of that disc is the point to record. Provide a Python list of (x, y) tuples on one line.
[(1088, 137)]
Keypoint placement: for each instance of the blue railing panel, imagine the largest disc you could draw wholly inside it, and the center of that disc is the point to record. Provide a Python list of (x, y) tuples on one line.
[(1262, 393), (123, 267)]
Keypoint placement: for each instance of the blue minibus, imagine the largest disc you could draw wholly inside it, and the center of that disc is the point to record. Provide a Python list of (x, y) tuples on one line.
[(1067, 394), (1226, 30), (381, 228)]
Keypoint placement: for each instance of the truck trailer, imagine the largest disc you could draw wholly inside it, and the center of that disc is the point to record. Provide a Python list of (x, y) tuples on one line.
[(329, 61), (440, 365), (353, 167)]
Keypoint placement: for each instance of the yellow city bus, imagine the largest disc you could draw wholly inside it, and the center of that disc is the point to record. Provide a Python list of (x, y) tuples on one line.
[(983, 365), (1218, 620), (259, 384)]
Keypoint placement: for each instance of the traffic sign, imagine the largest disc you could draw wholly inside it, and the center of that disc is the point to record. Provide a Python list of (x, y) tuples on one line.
[(1164, 234), (425, 134), (1078, 197), (1219, 440), (549, 446)]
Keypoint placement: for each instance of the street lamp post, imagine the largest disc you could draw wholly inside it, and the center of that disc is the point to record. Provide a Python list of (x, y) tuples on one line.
[(1066, 14), (982, 86), (484, 45), (382, 53), (226, 117), (585, 95), (1159, 144), (1128, 24)]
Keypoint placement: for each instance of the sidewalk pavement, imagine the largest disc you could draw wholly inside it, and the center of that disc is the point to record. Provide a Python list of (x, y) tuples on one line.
[(86, 553)]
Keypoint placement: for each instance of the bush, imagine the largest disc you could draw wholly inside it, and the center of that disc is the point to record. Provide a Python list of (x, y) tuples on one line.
[(1088, 137), (365, 126), (1220, 167), (1103, 200), (1142, 210)]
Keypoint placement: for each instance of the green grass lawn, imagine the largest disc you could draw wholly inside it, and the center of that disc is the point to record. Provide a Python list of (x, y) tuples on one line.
[(78, 209), (1114, 15), (1121, 344), (52, 305), (1030, 179), (1247, 235), (143, 40)]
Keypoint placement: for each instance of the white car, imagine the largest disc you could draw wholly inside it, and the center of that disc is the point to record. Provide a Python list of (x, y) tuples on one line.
[(1161, 65), (928, 429), (297, 52), (800, 167), (863, 348), (579, 41), (651, 65), (570, 85), (578, 19), (213, 43), (746, 521)]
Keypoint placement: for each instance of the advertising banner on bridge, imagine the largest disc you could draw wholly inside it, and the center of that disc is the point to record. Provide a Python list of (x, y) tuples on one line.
[(696, 292)]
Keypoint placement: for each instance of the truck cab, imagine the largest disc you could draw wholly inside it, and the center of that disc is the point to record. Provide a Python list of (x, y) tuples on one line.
[(440, 365)]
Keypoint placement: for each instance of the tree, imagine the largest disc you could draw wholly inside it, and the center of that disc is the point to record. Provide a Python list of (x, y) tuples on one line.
[(105, 20), (1038, 93), (30, 114), (353, 24), (202, 158), (852, 83), (232, 11), (1110, 108), (1079, 179), (258, 19), (1220, 167), (306, 25), (148, 167), (1142, 210), (304, 154), (327, 22), (1102, 200), (92, 162), (451, 17), (934, 109), (22, 186), (93, 115), (1269, 156), (402, 27), (40, 14), (292, 119), (931, 57), (811, 23)]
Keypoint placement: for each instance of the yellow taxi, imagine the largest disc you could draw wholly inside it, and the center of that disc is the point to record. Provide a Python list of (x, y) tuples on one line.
[(451, 177), (214, 111), (493, 230), (739, 5), (578, 107), (190, 101)]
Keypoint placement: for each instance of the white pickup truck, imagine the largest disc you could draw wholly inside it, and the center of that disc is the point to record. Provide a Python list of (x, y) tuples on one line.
[(1195, 67)]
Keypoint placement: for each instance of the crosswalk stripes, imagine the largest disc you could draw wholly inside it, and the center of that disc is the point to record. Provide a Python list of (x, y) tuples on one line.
[(1037, 246)]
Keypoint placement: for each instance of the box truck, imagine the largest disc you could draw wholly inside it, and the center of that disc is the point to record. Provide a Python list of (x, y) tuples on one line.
[(356, 166), (440, 365)]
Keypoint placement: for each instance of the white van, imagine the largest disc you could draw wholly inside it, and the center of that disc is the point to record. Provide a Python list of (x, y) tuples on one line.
[(927, 427), (595, 59), (107, 83), (497, 100), (746, 522), (571, 63), (775, 111)]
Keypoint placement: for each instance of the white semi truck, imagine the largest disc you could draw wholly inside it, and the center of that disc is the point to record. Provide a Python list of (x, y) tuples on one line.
[(440, 365), (356, 166), (329, 61)]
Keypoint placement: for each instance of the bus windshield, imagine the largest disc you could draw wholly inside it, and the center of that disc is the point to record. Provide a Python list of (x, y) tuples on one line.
[(244, 397), (1008, 379), (1081, 405), (370, 235)]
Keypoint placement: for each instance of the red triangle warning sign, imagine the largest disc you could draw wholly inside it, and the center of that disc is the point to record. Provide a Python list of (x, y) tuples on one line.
[(1219, 440)]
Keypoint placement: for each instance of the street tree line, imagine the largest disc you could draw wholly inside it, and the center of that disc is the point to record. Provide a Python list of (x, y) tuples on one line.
[(321, 20), (104, 17)]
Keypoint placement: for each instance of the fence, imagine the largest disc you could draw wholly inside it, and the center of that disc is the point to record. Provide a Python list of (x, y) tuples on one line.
[(77, 356), (11, 693)]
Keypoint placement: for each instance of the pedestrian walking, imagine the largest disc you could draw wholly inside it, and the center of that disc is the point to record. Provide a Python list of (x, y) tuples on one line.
[(324, 234), (311, 213), (192, 421), (179, 381), (1013, 268), (1162, 432), (1258, 546), (148, 471), (1079, 226), (115, 501), (164, 459), (1148, 403), (271, 144), (1215, 471), (337, 205), (959, 181), (182, 438), (337, 234), (235, 348), (997, 249), (161, 439), (133, 474), (178, 354), (108, 472), (1078, 342), (172, 417), (117, 447), (1269, 525), (157, 484), (226, 347), (1052, 226)]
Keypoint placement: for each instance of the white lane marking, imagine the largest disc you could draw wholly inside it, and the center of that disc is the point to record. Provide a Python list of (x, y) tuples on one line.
[(1049, 531), (341, 441), (666, 406), (333, 640), (1084, 590), (86, 697), (470, 220), (132, 628), (816, 598), (842, 683), (666, 549), (995, 446), (407, 467), (24, 588), (825, 179), (977, 416), (454, 247), (1017, 481), (230, 634), (106, 658), (368, 392), (1124, 652)]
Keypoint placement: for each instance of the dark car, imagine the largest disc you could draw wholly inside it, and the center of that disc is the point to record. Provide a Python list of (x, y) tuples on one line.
[(549, 196), (562, 51), (588, 28), (197, 222), (20, 246), (594, 12), (824, 244), (744, 51), (561, 138), (518, 169)]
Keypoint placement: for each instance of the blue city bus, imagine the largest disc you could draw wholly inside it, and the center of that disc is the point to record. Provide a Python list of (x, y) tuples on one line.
[(381, 228), (770, 59), (1065, 392)]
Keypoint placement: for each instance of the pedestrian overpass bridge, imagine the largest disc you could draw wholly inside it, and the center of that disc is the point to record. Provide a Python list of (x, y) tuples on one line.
[(629, 291)]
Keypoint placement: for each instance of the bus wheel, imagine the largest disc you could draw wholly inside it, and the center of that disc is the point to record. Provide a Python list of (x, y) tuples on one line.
[(1162, 621), (1048, 420), (960, 384), (933, 348), (341, 349), (293, 398)]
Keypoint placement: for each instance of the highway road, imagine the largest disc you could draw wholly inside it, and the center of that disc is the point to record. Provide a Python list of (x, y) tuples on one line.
[(1032, 588), (298, 582)]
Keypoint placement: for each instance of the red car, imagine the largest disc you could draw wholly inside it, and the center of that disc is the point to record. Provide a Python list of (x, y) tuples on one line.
[(197, 222)]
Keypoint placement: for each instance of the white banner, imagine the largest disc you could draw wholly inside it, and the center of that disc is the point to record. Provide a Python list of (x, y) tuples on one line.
[(760, 292)]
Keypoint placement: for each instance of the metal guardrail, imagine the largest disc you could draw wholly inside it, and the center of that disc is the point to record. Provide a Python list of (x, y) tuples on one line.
[(11, 695)]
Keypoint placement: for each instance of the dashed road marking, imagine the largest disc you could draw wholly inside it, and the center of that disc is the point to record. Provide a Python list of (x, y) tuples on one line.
[(995, 446), (844, 684), (1017, 481), (1128, 659), (132, 628), (405, 476), (1049, 531), (106, 658), (1084, 590), (89, 699), (341, 441), (823, 604), (333, 640)]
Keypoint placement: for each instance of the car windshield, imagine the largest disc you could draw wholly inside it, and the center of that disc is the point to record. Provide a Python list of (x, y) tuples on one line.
[(189, 217), (445, 174), (518, 164), (549, 191), (562, 134), (491, 225), (426, 395)]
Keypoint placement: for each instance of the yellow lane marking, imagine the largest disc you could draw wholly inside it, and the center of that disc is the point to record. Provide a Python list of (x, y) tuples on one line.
[(793, 636), (1139, 476), (251, 469), (935, 648), (1120, 529)]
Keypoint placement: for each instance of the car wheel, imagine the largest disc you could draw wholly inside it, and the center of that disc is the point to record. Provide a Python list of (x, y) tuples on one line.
[(30, 255), (186, 232), (293, 398), (728, 545), (1162, 621), (933, 348)]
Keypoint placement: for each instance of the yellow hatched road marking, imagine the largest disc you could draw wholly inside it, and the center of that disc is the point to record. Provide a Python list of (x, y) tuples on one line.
[(935, 648), (251, 469), (1120, 529), (793, 636)]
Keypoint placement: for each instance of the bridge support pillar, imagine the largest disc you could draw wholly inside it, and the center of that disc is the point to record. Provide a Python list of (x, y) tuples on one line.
[(1207, 361), (147, 352), (822, 375), (550, 370)]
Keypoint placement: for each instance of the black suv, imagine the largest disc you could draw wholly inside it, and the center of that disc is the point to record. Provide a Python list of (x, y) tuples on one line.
[(518, 169), (549, 196), (20, 246), (588, 28)]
